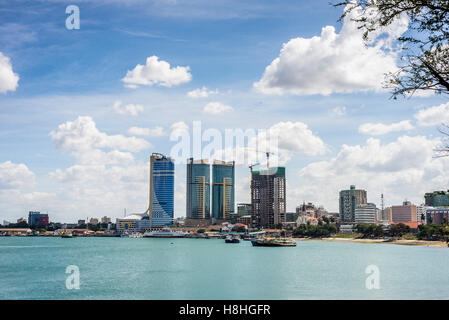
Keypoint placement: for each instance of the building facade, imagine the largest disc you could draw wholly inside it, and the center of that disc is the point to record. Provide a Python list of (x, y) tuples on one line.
[(198, 189), (223, 177), (349, 200), (438, 216), (366, 213), (268, 197), (437, 199), (162, 190), (37, 219), (404, 213), (243, 209)]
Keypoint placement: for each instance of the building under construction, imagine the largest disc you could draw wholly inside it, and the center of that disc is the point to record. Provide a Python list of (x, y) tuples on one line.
[(268, 197)]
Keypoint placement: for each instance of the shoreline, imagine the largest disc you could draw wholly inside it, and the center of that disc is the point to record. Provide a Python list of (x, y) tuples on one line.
[(422, 243)]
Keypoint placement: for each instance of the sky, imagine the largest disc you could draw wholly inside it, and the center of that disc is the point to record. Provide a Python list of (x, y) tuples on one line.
[(81, 110)]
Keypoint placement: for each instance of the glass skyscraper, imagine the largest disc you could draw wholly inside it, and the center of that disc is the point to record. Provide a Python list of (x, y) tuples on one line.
[(162, 190), (198, 189), (223, 176), (349, 200)]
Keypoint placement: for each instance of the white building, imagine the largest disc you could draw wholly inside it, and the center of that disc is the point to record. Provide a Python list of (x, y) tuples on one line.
[(133, 223), (366, 213)]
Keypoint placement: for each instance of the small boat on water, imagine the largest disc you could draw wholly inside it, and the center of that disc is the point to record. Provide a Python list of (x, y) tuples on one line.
[(273, 242), (66, 235), (232, 239), (164, 233)]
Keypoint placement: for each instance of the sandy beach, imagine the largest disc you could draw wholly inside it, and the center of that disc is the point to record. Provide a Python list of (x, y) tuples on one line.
[(399, 242)]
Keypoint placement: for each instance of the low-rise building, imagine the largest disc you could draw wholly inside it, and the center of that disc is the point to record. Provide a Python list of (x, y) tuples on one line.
[(365, 213), (134, 223), (404, 213), (437, 215)]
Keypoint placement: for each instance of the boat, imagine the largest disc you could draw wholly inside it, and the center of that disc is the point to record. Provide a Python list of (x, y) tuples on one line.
[(273, 242), (232, 239), (66, 235), (164, 233)]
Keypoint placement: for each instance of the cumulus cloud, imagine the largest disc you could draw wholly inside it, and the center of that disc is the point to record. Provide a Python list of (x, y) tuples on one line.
[(333, 62), (404, 168), (201, 93), (433, 116), (156, 72), (8, 79), (129, 109), (154, 132), (283, 140), (377, 129), (216, 108), (14, 176), (82, 138)]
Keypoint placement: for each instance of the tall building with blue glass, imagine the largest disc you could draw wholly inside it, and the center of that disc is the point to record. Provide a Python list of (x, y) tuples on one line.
[(198, 189), (223, 177), (162, 190)]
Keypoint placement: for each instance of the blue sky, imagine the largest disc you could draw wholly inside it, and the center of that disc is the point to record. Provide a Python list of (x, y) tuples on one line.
[(227, 46)]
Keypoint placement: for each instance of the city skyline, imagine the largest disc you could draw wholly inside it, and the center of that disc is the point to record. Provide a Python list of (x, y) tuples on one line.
[(78, 121)]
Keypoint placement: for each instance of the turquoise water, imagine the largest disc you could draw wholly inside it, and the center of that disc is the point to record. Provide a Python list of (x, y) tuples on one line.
[(125, 268)]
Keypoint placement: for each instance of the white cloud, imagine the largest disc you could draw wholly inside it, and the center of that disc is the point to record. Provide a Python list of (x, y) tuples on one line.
[(156, 72), (433, 116), (82, 138), (332, 63), (179, 126), (14, 176), (154, 132), (404, 168), (216, 108), (129, 109), (201, 93), (8, 79), (283, 140), (339, 111), (377, 129)]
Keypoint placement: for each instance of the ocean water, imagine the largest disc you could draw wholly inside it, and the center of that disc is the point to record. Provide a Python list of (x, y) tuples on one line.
[(125, 268)]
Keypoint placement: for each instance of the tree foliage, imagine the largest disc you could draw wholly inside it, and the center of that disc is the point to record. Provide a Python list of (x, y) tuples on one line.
[(425, 53)]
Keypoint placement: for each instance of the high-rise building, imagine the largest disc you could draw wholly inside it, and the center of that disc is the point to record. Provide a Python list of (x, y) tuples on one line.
[(349, 200), (365, 213), (37, 219), (437, 199), (268, 197), (162, 190), (223, 177), (435, 215), (198, 189), (404, 213), (243, 209)]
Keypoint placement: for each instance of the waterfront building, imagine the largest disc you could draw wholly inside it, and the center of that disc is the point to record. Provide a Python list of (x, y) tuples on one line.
[(198, 189), (437, 199), (243, 209), (223, 177), (138, 222), (421, 213), (268, 197), (349, 200), (404, 213), (365, 213), (311, 210), (162, 190), (20, 220), (81, 222), (106, 219), (37, 219), (346, 228), (6, 223), (93, 221), (246, 220), (437, 215)]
